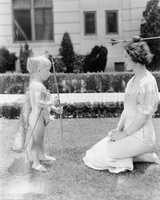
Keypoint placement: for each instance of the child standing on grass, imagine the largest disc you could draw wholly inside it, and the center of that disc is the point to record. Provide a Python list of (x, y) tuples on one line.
[(39, 117)]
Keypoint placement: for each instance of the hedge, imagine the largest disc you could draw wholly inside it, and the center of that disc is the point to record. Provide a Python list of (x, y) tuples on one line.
[(78, 110), (72, 83)]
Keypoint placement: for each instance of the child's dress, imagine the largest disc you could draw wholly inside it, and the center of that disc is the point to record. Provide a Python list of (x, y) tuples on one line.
[(140, 98), (20, 137), (38, 119)]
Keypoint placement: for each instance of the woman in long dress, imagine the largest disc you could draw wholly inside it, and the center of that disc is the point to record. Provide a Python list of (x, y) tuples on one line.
[(134, 138)]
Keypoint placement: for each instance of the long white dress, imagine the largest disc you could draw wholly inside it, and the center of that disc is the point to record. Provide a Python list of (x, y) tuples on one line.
[(140, 98)]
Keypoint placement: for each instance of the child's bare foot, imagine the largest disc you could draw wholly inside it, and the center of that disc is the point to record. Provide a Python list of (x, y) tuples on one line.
[(156, 158), (48, 158), (39, 167)]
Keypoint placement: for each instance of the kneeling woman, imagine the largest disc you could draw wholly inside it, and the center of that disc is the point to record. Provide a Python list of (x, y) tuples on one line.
[(134, 138)]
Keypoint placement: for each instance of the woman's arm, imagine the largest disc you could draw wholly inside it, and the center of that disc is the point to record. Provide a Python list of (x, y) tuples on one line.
[(137, 124), (121, 122), (146, 104), (120, 126)]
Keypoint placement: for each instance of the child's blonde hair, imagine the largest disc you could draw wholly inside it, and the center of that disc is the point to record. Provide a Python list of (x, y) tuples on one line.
[(34, 64)]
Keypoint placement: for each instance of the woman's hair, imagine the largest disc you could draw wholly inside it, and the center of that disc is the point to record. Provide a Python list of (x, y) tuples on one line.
[(37, 63), (139, 52)]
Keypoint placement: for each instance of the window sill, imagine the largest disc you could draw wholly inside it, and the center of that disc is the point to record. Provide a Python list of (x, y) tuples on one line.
[(34, 42), (92, 36), (37, 44), (112, 35)]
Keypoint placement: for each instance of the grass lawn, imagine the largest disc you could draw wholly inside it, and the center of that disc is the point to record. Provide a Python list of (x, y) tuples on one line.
[(68, 178)]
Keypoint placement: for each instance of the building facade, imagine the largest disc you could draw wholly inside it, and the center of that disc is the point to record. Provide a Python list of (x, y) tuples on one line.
[(89, 23)]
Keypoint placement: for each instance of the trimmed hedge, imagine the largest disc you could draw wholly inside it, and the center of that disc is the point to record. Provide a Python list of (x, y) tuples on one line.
[(72, 83), (78, 110)]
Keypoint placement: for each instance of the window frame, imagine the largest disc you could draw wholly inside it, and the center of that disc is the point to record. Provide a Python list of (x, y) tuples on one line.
[(84, 22), (106, 21), (32, 15)]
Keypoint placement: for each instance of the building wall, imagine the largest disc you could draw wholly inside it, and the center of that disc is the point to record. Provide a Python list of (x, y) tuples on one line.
[(5, 22), (65, 17), (130, 15), (68, 17)]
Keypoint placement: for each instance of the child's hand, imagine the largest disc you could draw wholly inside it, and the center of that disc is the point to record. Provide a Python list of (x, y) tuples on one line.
[(48, 96), (52, 118), (59, 110), (56, 101)]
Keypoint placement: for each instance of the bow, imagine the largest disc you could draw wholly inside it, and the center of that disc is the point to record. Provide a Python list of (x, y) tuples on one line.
[(59, 103), (136, 38)]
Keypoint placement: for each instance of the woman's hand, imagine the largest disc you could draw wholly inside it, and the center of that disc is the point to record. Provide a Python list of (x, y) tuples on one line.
[(113, 132), (118, 136)]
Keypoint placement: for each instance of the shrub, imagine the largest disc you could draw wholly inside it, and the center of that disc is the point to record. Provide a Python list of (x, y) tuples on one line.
[(67, 52), (7, 60), (76, 110), (13, 83), (72, 83), (78, 63), (96, 60), (12, 62), (150, 28), (59, 66), (10, 112), (24, 54)]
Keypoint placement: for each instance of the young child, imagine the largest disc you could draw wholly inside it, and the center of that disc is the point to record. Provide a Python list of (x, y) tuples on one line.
[(39, 117), (19, 141)]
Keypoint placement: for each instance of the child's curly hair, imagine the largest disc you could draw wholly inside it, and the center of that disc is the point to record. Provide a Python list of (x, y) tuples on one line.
[(139, 52)]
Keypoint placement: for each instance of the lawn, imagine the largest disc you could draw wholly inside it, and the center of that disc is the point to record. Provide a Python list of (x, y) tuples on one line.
[(68, 178)]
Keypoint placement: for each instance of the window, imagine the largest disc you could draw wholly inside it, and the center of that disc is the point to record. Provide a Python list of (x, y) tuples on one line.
[(90, 23), (112, 22), (33, 20)]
